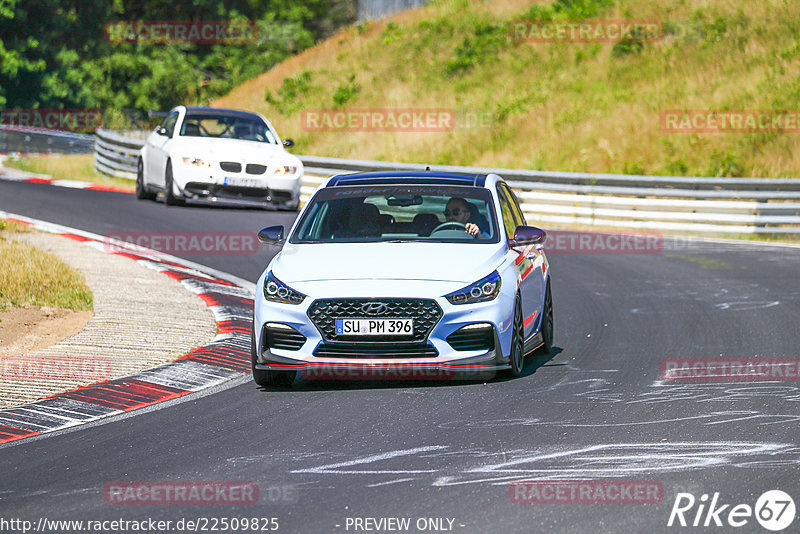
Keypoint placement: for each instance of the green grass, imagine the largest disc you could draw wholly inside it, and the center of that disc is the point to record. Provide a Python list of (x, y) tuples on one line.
[(558, 106), (32, 277), (68, 167)]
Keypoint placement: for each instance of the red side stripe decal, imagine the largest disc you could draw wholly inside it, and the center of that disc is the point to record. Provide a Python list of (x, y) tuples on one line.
[(9, 433), (530, 319), (126, 394), (527, 272)]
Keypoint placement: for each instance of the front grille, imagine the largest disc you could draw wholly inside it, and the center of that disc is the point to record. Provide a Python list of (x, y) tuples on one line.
[(472, 338), (285, 337), (375, 350), (254, 168), (230, 166), (425, 313)]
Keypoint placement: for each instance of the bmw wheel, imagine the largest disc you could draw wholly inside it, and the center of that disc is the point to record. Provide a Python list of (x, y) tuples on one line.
[(169, 194), (141, 190)]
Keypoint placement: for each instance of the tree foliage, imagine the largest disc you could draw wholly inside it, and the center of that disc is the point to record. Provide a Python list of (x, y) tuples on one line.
[(55, 54)]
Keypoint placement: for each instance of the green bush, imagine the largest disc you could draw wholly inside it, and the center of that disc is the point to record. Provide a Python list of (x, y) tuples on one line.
[(289, 98), (345, 93), (486, 41)]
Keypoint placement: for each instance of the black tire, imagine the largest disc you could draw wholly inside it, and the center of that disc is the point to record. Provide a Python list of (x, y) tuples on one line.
[(547, 323), (263, 378), (141, 190), (517, 356), (169, 195)]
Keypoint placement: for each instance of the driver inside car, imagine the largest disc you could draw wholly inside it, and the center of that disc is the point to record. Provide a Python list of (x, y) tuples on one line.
[(458, 211)]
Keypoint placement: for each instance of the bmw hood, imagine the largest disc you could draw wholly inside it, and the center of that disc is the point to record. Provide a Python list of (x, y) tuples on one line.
[(387, 261), (219, 149)]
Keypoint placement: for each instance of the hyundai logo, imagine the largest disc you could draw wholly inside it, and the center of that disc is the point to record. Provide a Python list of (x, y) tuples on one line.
[(374, 308)]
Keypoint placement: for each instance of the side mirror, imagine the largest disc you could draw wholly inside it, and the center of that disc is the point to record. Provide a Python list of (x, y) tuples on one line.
[(527, 235), (161, 131), (272, 235), (288, 143)]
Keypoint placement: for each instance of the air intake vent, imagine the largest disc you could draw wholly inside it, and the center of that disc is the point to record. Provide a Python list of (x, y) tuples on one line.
[(281, 336), (472, 337)]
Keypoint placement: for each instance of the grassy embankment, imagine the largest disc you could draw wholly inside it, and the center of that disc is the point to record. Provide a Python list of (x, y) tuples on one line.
[(31, 277), (557, 106), (68, 167)]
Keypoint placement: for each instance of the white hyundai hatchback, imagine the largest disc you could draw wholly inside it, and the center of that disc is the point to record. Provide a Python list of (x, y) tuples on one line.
[(403, 275), (218, 156)]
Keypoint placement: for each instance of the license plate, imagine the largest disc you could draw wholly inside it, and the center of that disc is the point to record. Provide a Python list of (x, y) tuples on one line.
[(243, 182), (375, 327)]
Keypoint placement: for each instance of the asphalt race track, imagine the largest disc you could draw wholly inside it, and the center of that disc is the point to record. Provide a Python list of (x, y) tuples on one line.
[(596, 409)]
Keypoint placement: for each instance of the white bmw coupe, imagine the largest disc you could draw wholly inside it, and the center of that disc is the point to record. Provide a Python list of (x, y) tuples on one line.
[(218, 156)]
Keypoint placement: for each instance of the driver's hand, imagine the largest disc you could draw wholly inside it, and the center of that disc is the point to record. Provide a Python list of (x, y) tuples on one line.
[(471, 229)]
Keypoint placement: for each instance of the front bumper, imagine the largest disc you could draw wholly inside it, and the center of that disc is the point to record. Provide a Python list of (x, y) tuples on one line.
[(445, 362), (207, 186)]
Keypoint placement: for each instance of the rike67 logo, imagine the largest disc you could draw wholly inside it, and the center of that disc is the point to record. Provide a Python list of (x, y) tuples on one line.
[(774, 510)]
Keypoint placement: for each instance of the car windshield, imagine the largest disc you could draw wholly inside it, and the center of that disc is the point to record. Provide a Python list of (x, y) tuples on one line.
[(227, 126), (398, 213)]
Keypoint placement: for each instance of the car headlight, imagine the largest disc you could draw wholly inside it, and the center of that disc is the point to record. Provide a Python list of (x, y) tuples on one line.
[(195, 162), (284, 169), (486, 288), (277, 291)]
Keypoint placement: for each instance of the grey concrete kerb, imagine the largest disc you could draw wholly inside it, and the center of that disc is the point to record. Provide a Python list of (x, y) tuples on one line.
[(142, 318)]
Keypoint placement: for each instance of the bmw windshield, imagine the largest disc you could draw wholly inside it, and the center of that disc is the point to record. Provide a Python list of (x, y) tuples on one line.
[(449, 214), (227, 126)]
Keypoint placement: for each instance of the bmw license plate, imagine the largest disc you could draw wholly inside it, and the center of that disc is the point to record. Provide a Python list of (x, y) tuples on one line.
[(375, 327), (243, 182)]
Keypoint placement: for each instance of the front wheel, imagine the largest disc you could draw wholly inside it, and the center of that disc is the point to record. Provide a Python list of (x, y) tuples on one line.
[(264, 378), (141, 190), (169, 194), (547, 322), (517, 356)]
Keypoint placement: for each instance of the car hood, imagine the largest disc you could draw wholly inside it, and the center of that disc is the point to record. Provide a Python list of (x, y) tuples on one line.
[(387, 261), (218, 149)]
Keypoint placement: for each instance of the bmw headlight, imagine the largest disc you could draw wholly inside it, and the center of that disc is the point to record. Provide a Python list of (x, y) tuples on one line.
[(486, 288), (284, 169), (195, 162), (277, 291)]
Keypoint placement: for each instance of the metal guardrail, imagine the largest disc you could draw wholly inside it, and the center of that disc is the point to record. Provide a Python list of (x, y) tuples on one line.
[(18, 139), (668, 203)]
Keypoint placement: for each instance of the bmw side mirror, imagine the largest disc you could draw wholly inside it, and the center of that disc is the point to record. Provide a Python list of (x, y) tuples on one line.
[(288, 143), (527, 235), (272, 235)]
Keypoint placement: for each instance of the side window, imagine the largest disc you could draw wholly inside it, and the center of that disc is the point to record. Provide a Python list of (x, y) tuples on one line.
[(169, 123), (507, 214), (520, 217)]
